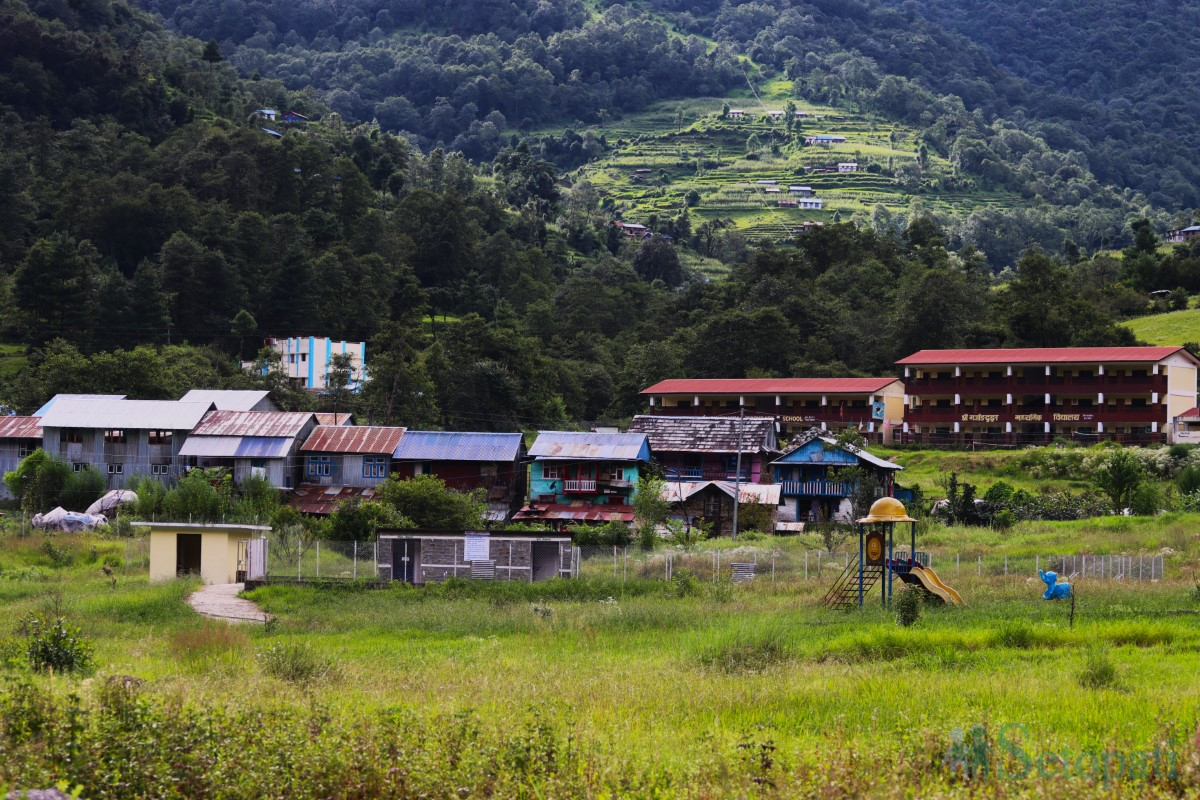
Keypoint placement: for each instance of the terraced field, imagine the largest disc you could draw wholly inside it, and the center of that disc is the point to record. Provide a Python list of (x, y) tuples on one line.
[(674, 148)]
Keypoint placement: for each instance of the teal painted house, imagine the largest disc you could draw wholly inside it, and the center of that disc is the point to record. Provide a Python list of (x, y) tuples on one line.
[(809, 484), (584, 477)]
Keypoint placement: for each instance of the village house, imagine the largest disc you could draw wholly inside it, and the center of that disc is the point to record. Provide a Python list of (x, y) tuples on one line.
[(1187, 427), (1183, 234), (19, 436), (306, 359), (875, 406), (632, 230), (736, 113), (806, 226), (121, 438), (824, 139), (1030, 395), (466, 461), (811, 203), (706, 448), (803, 191), (848, 166), (261, 444), (423, 556), (709, 504), (343, 462), (811, 489), (584, 477)]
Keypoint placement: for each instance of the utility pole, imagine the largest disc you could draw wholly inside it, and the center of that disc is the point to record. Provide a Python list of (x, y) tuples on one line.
[(737, 477)]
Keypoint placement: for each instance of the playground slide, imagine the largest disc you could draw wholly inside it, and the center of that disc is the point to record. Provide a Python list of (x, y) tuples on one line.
[(934, 584)]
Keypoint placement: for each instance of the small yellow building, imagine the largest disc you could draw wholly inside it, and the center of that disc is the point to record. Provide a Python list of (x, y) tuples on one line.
[(217, 553)]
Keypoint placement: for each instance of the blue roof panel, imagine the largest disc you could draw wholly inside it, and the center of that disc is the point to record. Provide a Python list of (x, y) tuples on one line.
[(457, 446)]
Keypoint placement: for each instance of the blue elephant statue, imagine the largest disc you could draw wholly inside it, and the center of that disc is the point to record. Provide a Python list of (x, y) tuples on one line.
[(1054, 589)]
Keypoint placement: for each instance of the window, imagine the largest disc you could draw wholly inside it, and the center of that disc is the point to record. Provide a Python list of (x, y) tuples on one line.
[(551, 471), (319, 466), (160, 437), (114, 437), (24, 450), (159, 469), (374, 466), (487, 470), (78, 467), (70, 436), (116, 469)]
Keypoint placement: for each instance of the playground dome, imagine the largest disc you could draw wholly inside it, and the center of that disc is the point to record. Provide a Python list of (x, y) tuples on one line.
[(887, 509)]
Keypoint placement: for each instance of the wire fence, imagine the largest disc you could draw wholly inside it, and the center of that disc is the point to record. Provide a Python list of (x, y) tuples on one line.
[(322, 560), (746, 563), (137, 554)]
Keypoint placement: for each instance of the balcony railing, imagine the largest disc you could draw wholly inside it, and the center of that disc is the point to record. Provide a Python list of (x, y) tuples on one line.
[(579, 487), (704, 474), (1037, 384), (817, 488), (1040, 413)]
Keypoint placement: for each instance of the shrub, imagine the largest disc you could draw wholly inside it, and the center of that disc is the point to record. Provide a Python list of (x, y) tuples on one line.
[(747, 653), (1099, 671), (999, 494), (82, 488), (685, 584), (752, 536), (608, 534), (293, 662), (1146, 501), (908, 607), (1004, 519), (58, 556), (1017, 635), (53, 644), (1188, 480)]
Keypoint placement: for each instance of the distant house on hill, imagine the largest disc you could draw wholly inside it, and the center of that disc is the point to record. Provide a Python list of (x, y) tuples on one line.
[(294, 117), (736, 113), (848, 166), (1183, 234), (632, 229), (823, 138)]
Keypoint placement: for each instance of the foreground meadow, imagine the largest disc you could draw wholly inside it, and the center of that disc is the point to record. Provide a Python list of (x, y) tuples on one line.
[(605, 688)]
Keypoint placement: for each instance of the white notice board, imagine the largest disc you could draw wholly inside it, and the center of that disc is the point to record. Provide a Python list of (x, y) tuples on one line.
[(475, 547)]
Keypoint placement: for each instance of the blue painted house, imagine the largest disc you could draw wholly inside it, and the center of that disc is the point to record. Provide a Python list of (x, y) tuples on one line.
[(810, 488), (584, 477)]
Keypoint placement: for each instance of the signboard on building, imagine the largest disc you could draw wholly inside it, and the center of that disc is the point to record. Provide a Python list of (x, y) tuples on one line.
[(877, 410), (476, 547)]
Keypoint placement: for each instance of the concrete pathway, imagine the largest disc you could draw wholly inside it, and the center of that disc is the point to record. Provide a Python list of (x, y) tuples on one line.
[(221, 601)]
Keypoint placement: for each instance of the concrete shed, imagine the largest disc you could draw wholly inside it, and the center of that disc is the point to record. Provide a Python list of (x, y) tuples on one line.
[(217, 553), (418, 557)]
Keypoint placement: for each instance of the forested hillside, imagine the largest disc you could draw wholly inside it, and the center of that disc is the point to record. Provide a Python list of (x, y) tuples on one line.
[(154, 232)]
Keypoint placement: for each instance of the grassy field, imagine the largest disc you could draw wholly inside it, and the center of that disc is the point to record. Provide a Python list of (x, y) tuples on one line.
[(606, 688), (928, 469), (1172, 328)]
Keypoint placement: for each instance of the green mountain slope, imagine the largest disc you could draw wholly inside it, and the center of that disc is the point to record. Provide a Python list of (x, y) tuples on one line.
[(1173, 327)]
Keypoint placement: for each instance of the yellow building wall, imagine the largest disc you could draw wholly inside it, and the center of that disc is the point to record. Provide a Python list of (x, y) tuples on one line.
[(162, 556), (1181, 390)]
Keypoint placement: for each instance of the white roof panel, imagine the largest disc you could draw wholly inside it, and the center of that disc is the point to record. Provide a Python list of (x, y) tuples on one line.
[(167, 415)]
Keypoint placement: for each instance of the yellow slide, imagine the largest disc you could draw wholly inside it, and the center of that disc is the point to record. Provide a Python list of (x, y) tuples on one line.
[(930, 580)]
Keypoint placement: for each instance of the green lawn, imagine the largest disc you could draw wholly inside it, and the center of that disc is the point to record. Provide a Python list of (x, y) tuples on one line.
[(603, 688), (1172, 328)]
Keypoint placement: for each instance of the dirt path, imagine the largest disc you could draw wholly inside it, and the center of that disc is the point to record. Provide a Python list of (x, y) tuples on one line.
[(221, 601)]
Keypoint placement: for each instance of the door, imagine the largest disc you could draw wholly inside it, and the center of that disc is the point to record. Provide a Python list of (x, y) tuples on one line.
[(547, 560), (406, 558), (187, 554)]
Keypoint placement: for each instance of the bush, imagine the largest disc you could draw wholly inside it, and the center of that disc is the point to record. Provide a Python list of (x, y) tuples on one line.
[(82, 488), (58, 556), (1099, 671), (293, 662), (608, 534), (51, 644), (908, 607), (1004, 519), (1146, 501), (1188, 480), (999, 494)]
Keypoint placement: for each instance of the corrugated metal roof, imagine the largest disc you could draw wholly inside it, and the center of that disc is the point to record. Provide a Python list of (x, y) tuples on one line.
[(352, 439), (759, 493), (458, 446), (579, 513), (769, 386), (308, 498), (166, 415), (253, 423), (611, 446), (227, 399), (870, 458), (237, 446), (1190, 414), (1042, 355), (20, 428), (49, 403), (705, 434), (327, 418)]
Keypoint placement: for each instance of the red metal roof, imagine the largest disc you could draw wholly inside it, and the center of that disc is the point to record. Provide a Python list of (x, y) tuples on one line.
[(352, 439), (769, 386), (330, 418), (253, 423), (582, 513), (1043, 355), (1191, 413), (309, 498), (20, 427)]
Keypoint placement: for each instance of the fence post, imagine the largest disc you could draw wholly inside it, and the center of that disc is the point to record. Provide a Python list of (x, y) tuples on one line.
[(376, 552), (772, 567), (979, 564), (318, 558), (805, 565), (355, 546), (1037, 563), (624, 564), (614, 562), (958, 563), (818, 565), (299, 558), (1006, 566)]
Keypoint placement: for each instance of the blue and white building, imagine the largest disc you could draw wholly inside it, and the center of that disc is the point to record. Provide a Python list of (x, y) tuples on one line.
[(306, 359)]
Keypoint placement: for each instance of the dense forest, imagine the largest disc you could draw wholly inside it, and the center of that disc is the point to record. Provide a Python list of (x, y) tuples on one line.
[(153, 233)]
